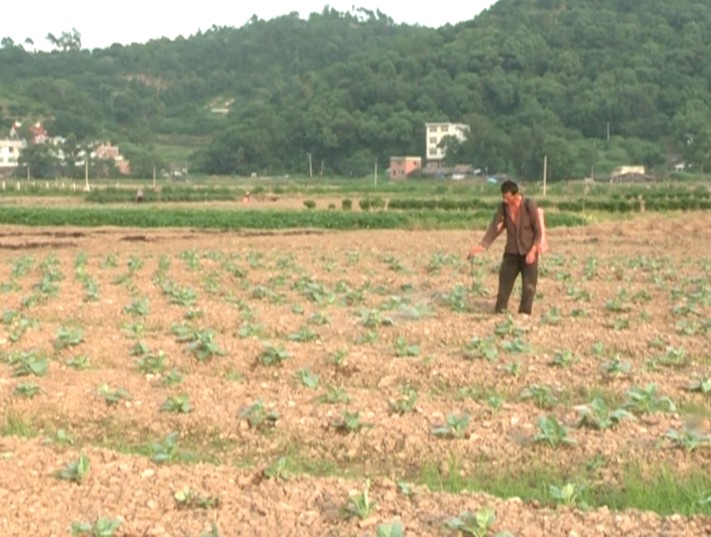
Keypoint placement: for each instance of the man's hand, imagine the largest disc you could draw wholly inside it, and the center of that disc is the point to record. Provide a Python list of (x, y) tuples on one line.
[(475, 250), (531, 256)]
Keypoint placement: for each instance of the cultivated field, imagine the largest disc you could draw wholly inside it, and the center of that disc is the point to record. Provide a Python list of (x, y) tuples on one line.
[(189, 383)]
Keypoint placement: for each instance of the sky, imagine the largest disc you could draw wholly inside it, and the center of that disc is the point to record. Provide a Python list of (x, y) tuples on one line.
[(132, 21)]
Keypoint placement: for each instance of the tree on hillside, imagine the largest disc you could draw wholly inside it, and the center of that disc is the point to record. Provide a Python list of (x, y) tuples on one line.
[(66, 40), (42, 161)]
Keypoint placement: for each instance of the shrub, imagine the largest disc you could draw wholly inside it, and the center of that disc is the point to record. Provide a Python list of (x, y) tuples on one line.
[(365, 204), (346, 204), (310, 204), (377, 203)]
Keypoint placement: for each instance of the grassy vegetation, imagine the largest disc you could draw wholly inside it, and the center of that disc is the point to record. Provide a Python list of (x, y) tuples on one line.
[(663, 490), (150, 217)]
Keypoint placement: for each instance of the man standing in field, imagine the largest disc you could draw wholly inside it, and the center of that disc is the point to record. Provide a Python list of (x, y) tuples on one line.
[(520, 217)]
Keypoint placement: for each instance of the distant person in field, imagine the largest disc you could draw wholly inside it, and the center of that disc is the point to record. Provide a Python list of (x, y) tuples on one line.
[(139, 196), (520, 218)]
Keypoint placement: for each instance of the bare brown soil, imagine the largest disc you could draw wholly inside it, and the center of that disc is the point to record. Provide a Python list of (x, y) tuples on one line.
[(386, 314)]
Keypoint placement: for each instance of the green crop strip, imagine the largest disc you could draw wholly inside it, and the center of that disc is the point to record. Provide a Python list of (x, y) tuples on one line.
[(267, 219)]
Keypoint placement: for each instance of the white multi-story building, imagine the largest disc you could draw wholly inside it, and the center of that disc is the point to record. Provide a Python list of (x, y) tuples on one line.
[(10, 152), (435, 132)]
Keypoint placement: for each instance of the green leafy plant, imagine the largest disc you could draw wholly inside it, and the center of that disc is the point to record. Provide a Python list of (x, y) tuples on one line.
[(166, 450), (113, 397), (597, 416), (507, 327), (186, 498), (27, 389), (258, 417), (135, 330), (178, 404), (403, 349), (249, 329), (60, 438), (542, 396), (646, 400), (151, 363), (30, 363), (406, 403), (474, 525), (563, 358), (172, 378), (552, 432), (307, 378), (80, 362), (701, 384), (68, 337), (103, 527), (374, 319), (456, 299), (517, 345), (391, 529), (359, 503), (181, 296), (568, 494), (203, 347), (334, 395), (673, 357), (616, 367), (319, 319), (139, 307), (349, 422), (481, 348), (455, 426), (688, 439), (514, 369), (278, 470), (76, 471), (303, 334), (338, 358), (552, 316), (272, 355), (598, 348)]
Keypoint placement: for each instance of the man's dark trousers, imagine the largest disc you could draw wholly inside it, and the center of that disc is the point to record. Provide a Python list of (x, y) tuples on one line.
[(511, 266)]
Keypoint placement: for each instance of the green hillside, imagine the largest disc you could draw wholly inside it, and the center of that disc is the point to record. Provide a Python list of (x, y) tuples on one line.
[(591, 83)]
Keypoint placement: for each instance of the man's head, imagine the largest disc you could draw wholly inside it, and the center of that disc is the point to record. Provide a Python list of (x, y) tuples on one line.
[(509, 192)]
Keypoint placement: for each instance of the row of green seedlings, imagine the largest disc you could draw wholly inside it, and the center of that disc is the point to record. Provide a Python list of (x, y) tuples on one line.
[(489, 348), (596, 414), (202, 344), (203, 341), (359, 504), (255, 260), (689, 298), (186, 296)]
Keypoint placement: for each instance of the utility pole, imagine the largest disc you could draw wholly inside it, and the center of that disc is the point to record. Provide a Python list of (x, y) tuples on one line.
[(375, 173), (86, 174), (545, 174), (311, 171), (154, 177), (608, 131)]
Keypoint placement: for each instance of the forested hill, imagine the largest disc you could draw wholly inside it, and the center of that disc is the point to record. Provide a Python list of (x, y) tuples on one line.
[(590, 83)]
